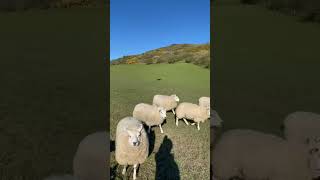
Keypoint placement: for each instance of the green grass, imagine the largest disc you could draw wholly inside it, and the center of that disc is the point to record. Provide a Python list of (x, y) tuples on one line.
[(52, 94), (266, 66), (133, 84)]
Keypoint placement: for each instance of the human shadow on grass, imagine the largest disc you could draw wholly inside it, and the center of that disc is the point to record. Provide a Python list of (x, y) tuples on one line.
[(166, 167)]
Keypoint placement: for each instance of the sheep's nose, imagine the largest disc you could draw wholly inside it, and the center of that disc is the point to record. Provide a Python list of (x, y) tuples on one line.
[(135, 143)]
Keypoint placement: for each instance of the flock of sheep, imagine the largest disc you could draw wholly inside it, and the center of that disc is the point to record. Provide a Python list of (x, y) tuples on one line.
[(132, 144), (253, 155)]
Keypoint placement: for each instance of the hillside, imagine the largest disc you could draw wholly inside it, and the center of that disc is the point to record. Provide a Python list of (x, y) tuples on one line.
[(198, 54)]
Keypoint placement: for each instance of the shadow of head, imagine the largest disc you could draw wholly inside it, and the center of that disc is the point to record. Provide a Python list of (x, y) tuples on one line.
[(166, 167)]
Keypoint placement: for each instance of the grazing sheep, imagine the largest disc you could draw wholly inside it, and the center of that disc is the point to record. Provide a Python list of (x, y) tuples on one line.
[(90, 159), (299, 126), (150, 115), (215, 120), (167, 102), (192, 112), (132, 144), (254, 155), (204, 101)]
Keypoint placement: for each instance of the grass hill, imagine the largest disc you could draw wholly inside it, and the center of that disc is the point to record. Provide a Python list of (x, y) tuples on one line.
[(198, 54)]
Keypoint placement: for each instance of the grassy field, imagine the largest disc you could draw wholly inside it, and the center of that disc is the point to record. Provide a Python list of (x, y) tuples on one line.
[(266, 66), (182, 150), (52, 75)]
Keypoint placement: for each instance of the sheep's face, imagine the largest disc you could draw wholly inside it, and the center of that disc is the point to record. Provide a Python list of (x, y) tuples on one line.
[(163, 112), (134, 136), (314, 153), (175, 97)]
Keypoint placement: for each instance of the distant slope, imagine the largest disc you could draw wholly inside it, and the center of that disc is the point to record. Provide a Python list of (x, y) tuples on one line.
[(198, 54)]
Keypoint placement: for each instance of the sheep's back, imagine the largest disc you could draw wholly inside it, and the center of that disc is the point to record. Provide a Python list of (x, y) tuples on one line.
[(148, 114), (166, 102)]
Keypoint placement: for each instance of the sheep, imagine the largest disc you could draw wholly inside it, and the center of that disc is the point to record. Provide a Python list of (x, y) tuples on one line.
[(90, 159), (193, 112), (299, 126), (167, 102), (254, 155), (149, 114), (132, 144), (204, 101)]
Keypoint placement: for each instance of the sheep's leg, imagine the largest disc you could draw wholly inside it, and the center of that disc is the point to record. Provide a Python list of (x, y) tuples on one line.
[(124, 170), (177, 120), (198, 126), (149, 129), (173, 111), (161, 128), (135, 171), (193, 124), (186, 121)]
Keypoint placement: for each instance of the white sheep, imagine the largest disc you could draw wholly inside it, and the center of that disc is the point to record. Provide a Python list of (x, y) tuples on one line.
[(254, 155), (149, 114), (167, 102), (132, 144), (204, 101), (192, 112), (299, 126), (90, 159)]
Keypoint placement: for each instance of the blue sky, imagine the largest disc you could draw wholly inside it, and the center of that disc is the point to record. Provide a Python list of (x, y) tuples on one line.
[(137, 26)]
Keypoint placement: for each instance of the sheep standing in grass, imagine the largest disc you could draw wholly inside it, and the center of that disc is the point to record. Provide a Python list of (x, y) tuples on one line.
[(299, 126), (150, 115), (254, 155), (204, 101), (192, 112), (132, 144), (167, 102), (90, 159)]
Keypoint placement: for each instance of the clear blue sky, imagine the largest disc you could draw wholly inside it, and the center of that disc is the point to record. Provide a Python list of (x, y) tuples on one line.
[(137, 26)]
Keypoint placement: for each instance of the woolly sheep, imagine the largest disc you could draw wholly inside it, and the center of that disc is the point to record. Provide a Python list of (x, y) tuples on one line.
[(167, 102), (192, 112), (254, 155), (204, 101), (132, 144), (90, 159), (299, 126), (150, 115)]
